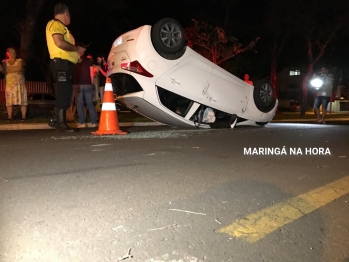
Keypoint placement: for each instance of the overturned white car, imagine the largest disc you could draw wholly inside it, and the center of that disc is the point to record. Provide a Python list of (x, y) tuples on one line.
[(154, 73)]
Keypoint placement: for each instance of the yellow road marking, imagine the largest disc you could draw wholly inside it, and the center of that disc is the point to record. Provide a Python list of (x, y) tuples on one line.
[(258, 225)]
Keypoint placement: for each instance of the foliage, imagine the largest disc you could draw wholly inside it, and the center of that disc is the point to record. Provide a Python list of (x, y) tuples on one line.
[(278, 23), (318, 22), (212, 42)]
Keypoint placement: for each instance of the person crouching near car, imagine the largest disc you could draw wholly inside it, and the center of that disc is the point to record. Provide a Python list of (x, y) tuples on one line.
[(16, 91), (323, 95), (83, 78)]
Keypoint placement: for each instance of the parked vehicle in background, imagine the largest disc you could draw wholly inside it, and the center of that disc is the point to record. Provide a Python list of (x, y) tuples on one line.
[(40, 104), (41, 100), (157, 75), (289, 105)]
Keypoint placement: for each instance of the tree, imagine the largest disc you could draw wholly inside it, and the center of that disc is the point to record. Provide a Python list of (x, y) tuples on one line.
[(212, 42), (280, 26), (27, 25), (318, 21)]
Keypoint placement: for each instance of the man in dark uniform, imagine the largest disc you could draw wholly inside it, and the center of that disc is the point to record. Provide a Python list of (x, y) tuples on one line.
[(63, 54)]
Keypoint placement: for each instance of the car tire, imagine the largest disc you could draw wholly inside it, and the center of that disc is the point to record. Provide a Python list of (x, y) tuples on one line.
[(263, 95), (168, 38)]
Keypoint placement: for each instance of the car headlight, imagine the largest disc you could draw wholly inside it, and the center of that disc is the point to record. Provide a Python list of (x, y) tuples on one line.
[(317, 83)]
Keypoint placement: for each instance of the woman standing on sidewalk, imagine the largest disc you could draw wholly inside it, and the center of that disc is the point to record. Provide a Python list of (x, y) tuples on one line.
[(16, 92)]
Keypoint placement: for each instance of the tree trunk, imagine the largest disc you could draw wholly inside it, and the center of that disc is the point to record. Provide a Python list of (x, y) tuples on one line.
[(273, 74), (305, 89), (27, 27), (275, 54)]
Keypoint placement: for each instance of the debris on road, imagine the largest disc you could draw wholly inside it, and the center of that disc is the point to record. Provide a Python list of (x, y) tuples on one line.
[(190, 212), (342, 156), (101, 145), (160, 228), (3, 179), (219, 222), (117, 228), (128, 255), (323, 166)]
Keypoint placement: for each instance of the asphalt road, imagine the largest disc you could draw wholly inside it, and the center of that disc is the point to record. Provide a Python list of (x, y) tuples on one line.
[(163, 194)]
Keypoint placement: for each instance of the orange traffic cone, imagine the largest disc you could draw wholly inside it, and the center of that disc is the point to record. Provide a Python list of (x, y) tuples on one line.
[(108, 123)]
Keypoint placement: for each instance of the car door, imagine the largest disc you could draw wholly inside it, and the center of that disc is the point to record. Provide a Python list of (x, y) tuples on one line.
[(188, 78), (226, 92)]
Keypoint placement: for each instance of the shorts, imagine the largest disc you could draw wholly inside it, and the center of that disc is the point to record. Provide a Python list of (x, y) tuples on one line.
[(322, 100)]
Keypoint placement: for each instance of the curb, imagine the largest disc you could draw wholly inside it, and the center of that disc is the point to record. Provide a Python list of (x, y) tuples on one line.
[(23, 126), (308, 120)]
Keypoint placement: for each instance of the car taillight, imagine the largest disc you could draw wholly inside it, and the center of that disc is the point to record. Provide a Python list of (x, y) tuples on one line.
[(135, 67)]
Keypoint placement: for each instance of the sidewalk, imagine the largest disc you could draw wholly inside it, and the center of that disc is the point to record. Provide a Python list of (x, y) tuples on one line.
[(309, 117), (281, 117)]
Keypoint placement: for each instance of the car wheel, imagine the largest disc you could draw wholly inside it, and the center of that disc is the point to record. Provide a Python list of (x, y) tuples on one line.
[(167, 36), (264, 97)]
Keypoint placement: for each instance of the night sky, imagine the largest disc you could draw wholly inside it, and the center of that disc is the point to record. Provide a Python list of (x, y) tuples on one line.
[(102, 21)]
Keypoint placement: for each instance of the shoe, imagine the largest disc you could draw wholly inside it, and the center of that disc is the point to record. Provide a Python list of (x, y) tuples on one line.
[(9, 119), (62, 122), (94, 125), (52, 123), (323, 122), (23, 119), (66, 128), (82, 125)]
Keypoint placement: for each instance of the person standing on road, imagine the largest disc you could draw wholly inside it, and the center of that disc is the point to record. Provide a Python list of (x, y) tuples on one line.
[(323, 95), (83, 80), (63, 55), (102, 74), (16, 92)]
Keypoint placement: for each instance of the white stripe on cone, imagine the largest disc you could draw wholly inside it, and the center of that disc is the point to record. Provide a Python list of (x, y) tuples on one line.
[(107, 106), (108, 87)]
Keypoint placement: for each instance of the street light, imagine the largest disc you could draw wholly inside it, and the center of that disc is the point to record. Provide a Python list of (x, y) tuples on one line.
[(317, 82)]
